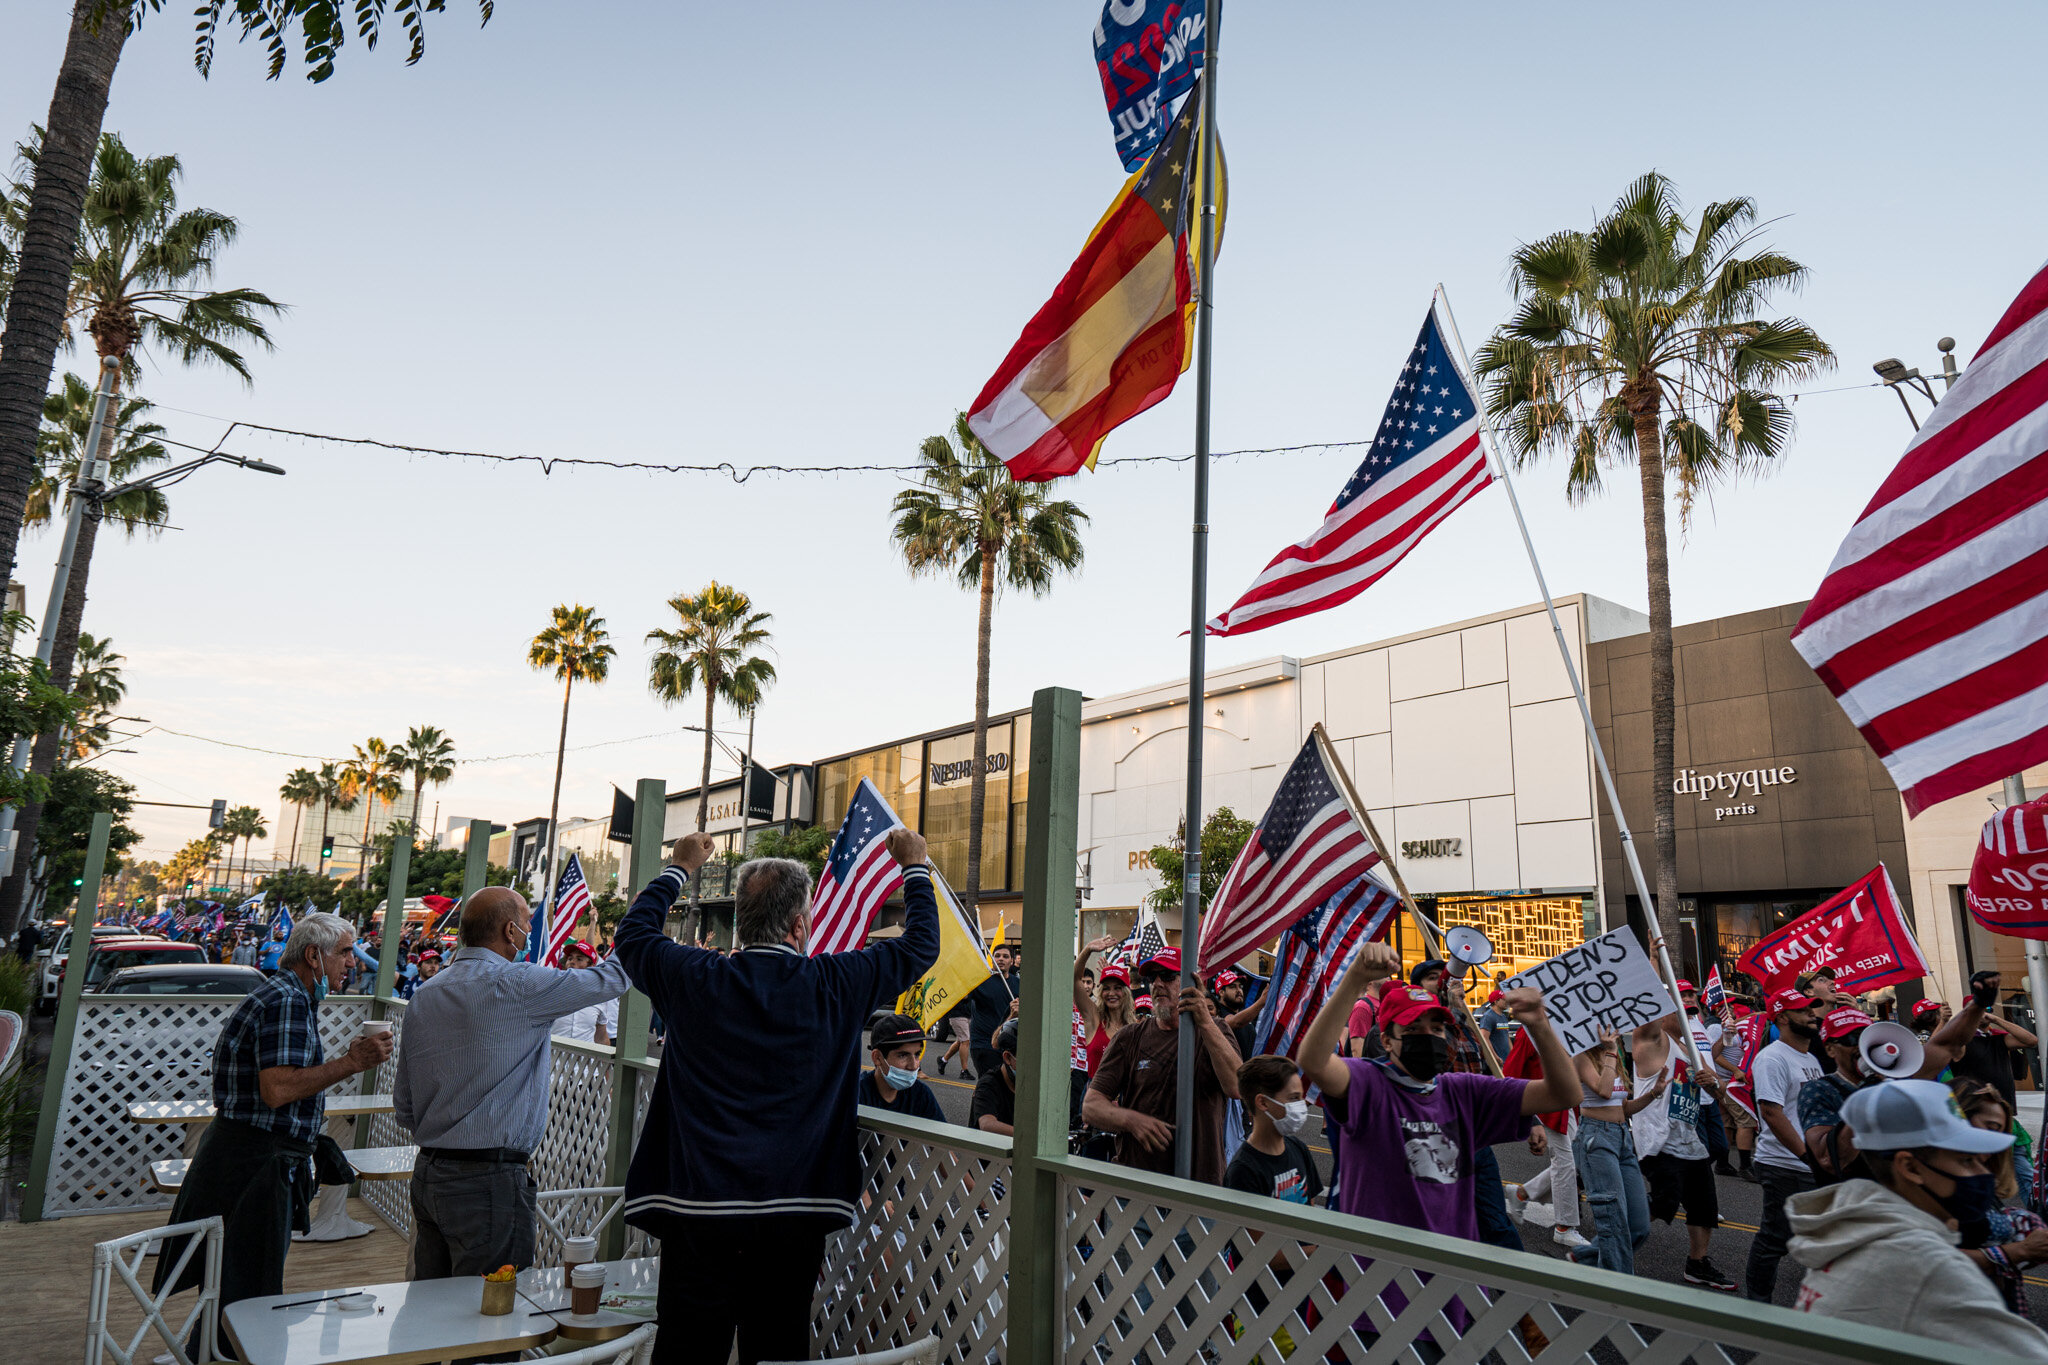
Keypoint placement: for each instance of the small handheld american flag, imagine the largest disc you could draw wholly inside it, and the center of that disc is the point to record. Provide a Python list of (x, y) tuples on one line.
[(572, 900), (1715, 997), (859, 875)]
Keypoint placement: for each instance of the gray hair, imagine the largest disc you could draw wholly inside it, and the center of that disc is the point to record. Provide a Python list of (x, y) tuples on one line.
[(773, 894), (316, 930)]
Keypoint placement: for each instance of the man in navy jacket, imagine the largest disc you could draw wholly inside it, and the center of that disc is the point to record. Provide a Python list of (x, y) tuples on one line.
[(748, 1158)]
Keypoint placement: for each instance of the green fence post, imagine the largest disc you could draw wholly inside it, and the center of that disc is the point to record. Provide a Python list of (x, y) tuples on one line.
[(476, 862), (1052, 814), (636, 1011), (83, 917), (387, 965)]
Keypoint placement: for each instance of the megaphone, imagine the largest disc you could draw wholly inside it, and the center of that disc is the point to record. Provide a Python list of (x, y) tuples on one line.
[(1467, 945), (1891, 1051)]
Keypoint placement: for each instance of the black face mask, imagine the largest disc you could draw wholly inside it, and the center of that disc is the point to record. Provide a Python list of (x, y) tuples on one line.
[(1423, 1055), (1971, 1204)]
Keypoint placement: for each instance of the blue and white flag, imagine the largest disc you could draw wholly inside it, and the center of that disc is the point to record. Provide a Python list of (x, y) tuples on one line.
[(1148, 53), (1315, 952)]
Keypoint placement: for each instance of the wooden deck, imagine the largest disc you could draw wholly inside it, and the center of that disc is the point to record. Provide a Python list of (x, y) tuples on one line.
[(47, 1268)]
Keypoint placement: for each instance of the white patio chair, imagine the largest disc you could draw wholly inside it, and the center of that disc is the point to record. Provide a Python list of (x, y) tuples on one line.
[(581, 1212), (631, 1349), (926, 1352), (121, 1259)]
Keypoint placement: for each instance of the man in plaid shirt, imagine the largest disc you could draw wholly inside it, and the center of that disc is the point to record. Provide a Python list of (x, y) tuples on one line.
[(254, 1162)]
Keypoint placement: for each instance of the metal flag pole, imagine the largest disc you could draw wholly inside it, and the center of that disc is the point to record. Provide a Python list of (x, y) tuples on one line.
[(1628, 844), (1208, 173)]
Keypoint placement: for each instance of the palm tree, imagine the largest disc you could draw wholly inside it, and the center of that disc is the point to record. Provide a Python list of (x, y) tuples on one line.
[(370, 776), (333, 796), (429, 756), (716, 630), (301, 788), (577, 646), (968, 518), (97, 682), (244, 823), (1642, 340)]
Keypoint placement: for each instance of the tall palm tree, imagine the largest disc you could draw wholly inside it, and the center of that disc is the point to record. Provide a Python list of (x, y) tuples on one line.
[(370, 776), (429, 756), (577, 647), (333, 796), (246, 824), (968, 518), (716, 632), (1642, 340), (97, 682), (301, 789)]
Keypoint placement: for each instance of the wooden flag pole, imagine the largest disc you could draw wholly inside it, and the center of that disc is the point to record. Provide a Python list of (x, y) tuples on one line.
[(1430, 938)]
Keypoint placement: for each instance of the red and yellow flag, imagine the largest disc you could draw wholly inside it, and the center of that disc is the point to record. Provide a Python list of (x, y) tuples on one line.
[(1117, 332)]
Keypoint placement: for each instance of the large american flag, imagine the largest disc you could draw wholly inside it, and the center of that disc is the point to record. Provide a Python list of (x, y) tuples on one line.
[(1306, 848), (1314, 954), (1425, 462), (1931, 627), (859, 875), (572, 899)]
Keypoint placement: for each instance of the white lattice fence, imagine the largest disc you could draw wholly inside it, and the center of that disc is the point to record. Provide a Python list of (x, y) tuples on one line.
[(931, 1252), (130, 1049), (572, 1151), (1151, 1280)]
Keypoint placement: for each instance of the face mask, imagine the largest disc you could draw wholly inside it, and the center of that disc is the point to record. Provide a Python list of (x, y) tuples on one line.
[(1289, 1121), (1971, 1204), (320, 989), (898, 1078), (1423, 1055)]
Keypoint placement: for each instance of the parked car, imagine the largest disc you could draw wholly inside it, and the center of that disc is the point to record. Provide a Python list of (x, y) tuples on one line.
[(111, 955), (50, 975), (182, 978)]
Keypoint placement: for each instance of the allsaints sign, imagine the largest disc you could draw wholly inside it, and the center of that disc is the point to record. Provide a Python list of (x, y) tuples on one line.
[(1710, 786)]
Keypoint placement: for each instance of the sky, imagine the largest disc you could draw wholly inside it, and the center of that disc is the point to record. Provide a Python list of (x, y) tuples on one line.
[(806, 233)]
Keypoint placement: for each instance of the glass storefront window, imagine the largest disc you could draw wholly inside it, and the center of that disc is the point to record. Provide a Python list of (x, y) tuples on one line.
[(1739, 924), (897, 772), (1020, 790), (1524, 930), (949, 798)]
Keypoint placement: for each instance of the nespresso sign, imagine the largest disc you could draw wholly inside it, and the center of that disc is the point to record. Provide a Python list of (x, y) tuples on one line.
[(1730, 787), (944, 773)]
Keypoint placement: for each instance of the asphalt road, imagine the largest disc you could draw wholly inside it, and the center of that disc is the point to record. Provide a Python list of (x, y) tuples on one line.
[(1660, 1258)]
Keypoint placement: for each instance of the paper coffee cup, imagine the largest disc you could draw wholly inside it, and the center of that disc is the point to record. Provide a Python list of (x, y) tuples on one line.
[(373, 1028), (577, 1250)]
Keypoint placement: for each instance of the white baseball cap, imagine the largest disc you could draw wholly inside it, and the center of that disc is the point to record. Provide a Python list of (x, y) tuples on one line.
[(1902, 1114)]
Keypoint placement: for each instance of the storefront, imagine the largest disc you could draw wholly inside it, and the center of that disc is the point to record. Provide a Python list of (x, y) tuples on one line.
[(928, 781), (1780, 802), (778, 800)]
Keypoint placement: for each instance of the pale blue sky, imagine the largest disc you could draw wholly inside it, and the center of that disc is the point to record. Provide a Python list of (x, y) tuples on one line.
[(807, 232)]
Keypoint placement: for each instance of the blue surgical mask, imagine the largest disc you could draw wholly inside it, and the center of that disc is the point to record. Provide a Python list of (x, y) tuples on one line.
[(320, 989), (898, 1078)]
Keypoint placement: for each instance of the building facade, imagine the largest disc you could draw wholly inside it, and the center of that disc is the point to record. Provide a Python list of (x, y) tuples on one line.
[(781, 800), (344, 825)]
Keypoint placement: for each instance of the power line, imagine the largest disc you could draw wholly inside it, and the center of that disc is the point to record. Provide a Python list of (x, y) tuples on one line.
[(491, 758)]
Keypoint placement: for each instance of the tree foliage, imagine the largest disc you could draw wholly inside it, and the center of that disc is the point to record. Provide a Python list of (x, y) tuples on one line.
[(30, 704), (807, 845), (322, 27), (76, 795), (1223, 836)]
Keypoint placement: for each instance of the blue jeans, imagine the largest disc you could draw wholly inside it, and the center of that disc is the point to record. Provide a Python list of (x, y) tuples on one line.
[(1606, 1156), (1496, 1228)]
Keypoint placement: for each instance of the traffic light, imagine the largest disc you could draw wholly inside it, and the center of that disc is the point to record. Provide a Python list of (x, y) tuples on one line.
[(327, 846), (219, 816), (78, 881)]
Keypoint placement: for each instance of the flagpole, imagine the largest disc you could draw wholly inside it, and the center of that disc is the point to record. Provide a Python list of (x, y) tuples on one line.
[(1207, 172), (1628, 845)]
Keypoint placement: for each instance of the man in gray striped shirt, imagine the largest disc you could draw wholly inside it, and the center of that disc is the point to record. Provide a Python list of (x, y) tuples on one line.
[(472, 1086)]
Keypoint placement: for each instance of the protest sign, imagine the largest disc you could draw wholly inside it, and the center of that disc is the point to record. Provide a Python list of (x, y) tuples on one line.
[(1605, 983), (2009, 876), (1860, 932)]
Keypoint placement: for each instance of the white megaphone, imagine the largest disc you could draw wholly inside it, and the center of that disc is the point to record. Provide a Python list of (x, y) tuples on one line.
[(1467, 945), (1891, 1051)]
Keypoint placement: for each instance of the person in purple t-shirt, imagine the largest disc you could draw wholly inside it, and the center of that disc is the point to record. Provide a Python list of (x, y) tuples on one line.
[(1408, 1113)]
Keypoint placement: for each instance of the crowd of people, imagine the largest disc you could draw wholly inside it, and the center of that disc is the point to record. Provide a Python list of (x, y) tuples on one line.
[(1906, 1201)]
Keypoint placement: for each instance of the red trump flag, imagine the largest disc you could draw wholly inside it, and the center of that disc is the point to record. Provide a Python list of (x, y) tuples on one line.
[(2009, 876), (1860, 932)]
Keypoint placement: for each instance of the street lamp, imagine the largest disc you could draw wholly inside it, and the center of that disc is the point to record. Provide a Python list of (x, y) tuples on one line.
[(89, 489), (1896, 377)]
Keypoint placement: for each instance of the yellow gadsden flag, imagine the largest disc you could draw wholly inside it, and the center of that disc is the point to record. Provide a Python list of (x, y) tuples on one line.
[(961, 966)]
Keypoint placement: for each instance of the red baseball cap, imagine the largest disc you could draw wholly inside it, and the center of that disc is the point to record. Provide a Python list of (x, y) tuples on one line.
[(1926, 1006), (1115, 974), (1226, 977), (1684, 986), (430, 956), (1790, 999), (1166, 960), (1840, 1023), (1405, 1005), (577, 945)]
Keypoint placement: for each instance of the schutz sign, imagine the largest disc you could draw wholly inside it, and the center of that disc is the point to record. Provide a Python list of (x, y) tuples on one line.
[(1711, 786)]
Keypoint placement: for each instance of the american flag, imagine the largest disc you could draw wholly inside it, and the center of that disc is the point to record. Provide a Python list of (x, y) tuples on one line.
[(1715, 997), (1306, 848), (859, 875), (1142, 944), (1316, 952), (572, 899), (1425, 461), (1931, 627)]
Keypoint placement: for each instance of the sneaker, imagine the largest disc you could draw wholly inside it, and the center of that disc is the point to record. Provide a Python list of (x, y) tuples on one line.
[(1702, 1272), (1723, 1168), (1569, 1238), (942, 1066), (1517, 1200)]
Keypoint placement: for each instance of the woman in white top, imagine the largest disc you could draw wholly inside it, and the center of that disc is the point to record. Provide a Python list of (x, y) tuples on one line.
[(1607, 1157)]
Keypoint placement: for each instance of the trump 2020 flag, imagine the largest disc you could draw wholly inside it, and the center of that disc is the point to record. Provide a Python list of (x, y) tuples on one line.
[(1424, 463), (859, 875), (962, 963), (1147, 53), (1117, 332), (1306, 848)]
